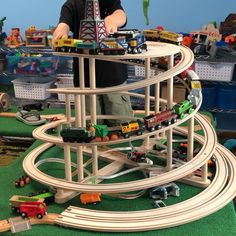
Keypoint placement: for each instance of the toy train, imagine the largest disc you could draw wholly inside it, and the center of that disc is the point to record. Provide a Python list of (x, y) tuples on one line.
[(163, 36), (150, 123), (117, 44)]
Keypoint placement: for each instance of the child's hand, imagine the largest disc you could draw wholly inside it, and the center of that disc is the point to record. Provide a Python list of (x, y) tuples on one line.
[(110, 25), (61, 31)]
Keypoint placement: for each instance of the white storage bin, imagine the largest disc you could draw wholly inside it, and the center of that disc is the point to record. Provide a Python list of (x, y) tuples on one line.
[(214, 71), (65, 82), (140, 71), (33, 87)]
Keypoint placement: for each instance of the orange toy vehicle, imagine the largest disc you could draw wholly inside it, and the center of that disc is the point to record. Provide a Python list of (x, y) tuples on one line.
[(87, 198)]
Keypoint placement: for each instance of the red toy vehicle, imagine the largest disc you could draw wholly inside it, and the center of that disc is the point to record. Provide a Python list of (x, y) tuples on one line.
[(137, 156), (156, 121), (22, 181), (33, 209)]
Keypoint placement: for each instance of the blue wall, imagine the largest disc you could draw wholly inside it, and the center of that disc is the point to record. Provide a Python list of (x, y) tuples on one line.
[(178, 16)]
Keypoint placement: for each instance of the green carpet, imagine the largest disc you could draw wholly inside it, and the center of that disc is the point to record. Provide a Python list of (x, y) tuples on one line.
[(221, 223), (13, 127)]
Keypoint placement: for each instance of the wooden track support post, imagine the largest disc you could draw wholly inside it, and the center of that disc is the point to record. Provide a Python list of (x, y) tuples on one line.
[(147, 94), (169, 132), (93, 111)]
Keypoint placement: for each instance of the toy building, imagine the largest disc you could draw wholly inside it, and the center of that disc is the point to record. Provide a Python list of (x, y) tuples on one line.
[(37, 38)]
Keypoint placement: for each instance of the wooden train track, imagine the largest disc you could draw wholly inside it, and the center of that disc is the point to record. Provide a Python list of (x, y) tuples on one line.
[(50, 219), (215, 196)]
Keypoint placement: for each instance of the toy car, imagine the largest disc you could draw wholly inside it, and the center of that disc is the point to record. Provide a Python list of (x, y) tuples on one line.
[(162, 192)]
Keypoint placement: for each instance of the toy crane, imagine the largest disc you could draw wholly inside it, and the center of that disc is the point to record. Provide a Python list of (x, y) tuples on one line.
[(15, 39), (92, 28)]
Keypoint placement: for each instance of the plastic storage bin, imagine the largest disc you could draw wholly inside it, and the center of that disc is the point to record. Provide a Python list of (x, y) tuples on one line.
[(34, 88), (64, 81), (140, 71), (32, 64), (214, 71), (209, 95), (226, 98)]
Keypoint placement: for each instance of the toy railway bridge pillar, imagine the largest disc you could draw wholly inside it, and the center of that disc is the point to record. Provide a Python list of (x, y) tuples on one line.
[(92, 28)]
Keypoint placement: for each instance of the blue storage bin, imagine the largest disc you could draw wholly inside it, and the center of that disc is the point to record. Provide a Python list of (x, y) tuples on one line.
[(226, 98), (209, 97), (32, 64)]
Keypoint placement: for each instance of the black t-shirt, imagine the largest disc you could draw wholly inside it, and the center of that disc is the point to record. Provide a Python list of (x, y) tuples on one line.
[(107, 73)]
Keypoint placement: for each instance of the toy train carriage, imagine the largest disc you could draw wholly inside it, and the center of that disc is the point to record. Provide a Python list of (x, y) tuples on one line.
[(152, 34), (132, 128), (171, 37), (127, 33), (73, 134), (183, 108), (155, 122), (85, 47), (112, 46), (66, 45)]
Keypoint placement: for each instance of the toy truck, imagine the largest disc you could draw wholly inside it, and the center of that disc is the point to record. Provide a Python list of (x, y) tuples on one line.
[(87, 198), (162, 192), (16, 200), (66, 45), (33, 209)]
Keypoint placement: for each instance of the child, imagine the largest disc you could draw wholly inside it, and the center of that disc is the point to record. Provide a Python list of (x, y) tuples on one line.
[(107, 73)]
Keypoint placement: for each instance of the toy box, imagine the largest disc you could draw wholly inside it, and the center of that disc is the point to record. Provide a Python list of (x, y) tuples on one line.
[(32, 64), (34, 88)]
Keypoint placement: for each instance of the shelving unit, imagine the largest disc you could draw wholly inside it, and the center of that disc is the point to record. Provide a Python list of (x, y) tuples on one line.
[(218, 98)]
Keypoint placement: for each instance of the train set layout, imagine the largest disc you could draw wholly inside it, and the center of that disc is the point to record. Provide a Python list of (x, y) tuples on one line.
[(80, 135), (217, 193)]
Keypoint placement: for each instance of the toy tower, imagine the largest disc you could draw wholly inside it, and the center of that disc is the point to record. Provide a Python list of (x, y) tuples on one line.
[(92, 28)]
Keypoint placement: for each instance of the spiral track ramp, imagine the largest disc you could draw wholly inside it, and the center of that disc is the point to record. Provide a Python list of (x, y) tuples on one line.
[(219, 193)]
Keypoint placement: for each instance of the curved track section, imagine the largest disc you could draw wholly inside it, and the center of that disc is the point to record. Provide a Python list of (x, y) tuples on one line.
[(186, 61), (215, 196), (203, 156), (219, 193)]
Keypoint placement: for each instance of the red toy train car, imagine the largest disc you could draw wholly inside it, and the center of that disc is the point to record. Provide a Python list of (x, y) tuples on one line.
[(156, 121)]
